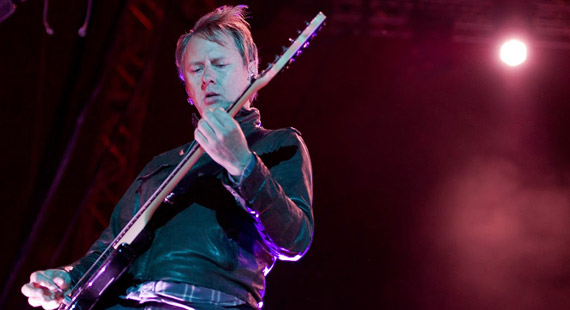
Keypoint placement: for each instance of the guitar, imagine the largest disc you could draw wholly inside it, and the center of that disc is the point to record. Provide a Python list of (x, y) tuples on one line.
[(135, 237)]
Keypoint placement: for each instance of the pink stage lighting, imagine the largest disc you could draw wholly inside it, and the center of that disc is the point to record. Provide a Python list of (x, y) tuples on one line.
[(513, 52)]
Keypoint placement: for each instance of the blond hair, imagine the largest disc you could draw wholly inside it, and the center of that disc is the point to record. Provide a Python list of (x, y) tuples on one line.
[(228, 20)]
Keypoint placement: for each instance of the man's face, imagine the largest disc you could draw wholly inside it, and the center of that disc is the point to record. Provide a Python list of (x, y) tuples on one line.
[(214, 74)]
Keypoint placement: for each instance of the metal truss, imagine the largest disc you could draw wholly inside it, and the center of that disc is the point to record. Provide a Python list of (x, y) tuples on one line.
[(120, 106)]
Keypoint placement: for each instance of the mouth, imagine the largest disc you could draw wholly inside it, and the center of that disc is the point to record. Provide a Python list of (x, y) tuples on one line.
[(211, 97)]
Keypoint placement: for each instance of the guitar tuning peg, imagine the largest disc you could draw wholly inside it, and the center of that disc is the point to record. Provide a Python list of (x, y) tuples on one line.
[(299, 31), (307, 23), (291, 40), (306, 44), (276, 57), (283, 49)]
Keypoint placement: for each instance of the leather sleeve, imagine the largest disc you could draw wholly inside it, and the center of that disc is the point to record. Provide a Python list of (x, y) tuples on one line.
[(278, 194)]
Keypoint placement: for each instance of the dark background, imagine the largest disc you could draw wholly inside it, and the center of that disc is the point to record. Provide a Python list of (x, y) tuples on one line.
[(441, 176)]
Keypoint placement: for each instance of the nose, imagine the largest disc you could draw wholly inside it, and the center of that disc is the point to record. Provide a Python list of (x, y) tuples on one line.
[(208, 76)]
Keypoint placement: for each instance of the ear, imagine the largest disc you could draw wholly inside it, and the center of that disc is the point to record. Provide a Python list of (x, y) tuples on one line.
[(252, 68)]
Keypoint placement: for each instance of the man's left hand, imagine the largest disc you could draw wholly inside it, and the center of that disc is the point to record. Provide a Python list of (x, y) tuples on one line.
[(222, 138)]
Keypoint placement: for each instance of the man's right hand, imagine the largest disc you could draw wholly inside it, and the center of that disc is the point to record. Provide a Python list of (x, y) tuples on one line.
[(47, 288)]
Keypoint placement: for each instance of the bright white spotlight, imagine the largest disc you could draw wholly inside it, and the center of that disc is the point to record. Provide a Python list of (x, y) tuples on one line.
[(513, 52)]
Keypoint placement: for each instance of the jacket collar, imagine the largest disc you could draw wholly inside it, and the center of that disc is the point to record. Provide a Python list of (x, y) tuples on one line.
[(248, 119)]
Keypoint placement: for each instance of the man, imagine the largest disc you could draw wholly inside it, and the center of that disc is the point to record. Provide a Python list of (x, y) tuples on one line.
[(241, 207)]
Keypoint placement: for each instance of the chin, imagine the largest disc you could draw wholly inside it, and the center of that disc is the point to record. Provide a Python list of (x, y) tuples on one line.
[(214, 105)]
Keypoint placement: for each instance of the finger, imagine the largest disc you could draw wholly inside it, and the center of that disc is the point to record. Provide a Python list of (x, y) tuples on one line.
[(61, 283), (202, 140), (35, 301), (40, 278), (225, 127), (30, 291), (41, 297), (213, 122), (52, 304), (223, 118), (62, 280), (207, 145), (199, 137), (36, 291), (34, 276), (221, 114), (206, 130), (49, 298), (226, 121)]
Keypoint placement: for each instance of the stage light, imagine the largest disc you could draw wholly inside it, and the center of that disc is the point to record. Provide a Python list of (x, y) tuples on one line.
[(513, 52)]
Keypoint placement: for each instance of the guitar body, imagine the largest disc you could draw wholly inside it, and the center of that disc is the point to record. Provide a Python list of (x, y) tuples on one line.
[(111, 269), (117, 262)]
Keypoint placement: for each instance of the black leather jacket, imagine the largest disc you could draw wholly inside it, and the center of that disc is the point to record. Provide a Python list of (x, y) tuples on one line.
[(223, 236)]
